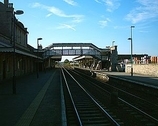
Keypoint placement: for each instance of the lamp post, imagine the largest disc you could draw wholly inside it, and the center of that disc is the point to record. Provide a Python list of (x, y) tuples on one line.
[(18, 12), (131, 51), (37, 56), (113, 43)]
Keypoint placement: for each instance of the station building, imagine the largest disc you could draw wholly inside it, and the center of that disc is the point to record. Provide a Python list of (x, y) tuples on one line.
[(14, 49)]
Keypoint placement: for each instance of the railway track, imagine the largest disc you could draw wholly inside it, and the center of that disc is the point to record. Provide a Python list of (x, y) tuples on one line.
[(143, 96), (81, 107), (127, 107)]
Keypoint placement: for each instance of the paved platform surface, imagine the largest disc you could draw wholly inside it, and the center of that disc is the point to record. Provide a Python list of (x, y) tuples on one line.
[(37, 102), (146, 79)]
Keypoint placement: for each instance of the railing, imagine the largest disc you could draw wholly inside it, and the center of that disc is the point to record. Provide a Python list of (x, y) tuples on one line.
[(71, 52)]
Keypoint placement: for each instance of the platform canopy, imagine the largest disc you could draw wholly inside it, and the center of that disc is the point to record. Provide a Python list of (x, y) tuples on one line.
[(82, 57)]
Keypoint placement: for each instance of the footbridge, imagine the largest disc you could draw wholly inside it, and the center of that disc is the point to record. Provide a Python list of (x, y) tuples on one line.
[(54, 52), (75, 49)]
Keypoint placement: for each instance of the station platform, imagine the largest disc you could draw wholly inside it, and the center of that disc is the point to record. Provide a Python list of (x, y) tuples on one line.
[(36, 103), (144, 79)]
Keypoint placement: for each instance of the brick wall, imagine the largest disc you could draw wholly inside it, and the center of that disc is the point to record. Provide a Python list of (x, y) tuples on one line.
[(147, 69)]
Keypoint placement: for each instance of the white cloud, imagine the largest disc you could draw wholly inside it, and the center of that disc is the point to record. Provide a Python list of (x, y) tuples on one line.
[(144, 31), (111, 5), (71, 2), (121, 27), (48, 15), (56, 11), (34, 5), (147, 9), (66, 26), (104, 23), (97, 1), (75, 18)]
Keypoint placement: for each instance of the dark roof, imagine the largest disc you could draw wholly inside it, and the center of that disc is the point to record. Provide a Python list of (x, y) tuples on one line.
[(128, 56)]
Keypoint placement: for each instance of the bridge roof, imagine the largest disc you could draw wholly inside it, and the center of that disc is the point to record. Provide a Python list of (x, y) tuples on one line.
[(71, 45), (74, 45)]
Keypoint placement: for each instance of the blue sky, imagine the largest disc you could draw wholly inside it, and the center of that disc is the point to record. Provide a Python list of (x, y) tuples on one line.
[(94, 21)]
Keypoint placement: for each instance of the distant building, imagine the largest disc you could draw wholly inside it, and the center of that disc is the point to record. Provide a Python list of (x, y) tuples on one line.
[(153, 59), (137, 58)]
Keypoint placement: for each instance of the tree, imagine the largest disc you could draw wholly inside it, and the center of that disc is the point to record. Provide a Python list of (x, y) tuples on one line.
[(66, 61)]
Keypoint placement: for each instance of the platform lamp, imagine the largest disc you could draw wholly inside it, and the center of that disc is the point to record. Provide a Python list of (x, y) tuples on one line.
[(113, 43), (37, 56), (131, 39), (18, 12)]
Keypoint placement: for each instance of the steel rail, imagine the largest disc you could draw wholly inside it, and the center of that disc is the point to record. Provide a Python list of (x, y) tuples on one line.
[(77, 114), (100, 107), (149, 116), (139, 110)]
